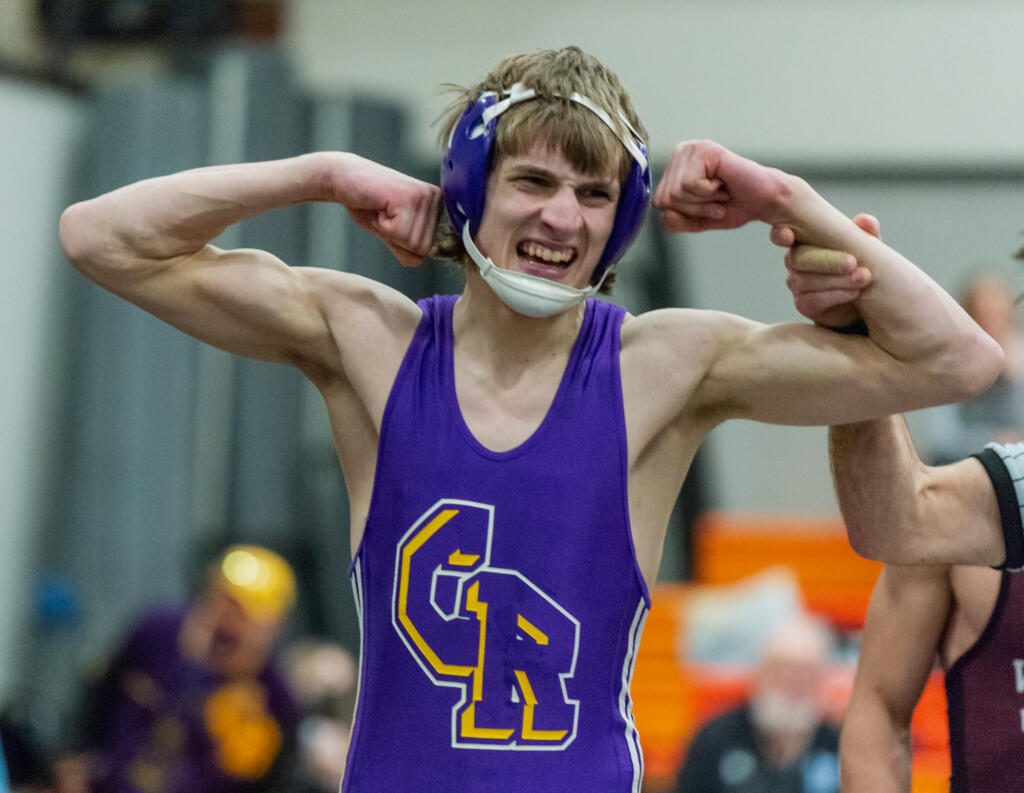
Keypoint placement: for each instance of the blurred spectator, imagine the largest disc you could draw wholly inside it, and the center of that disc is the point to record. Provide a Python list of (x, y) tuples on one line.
[(996, 415), (193, 701), (323, 676), (778, 741)]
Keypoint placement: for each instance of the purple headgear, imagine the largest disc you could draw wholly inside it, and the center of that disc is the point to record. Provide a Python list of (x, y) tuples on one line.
[(465, 166)]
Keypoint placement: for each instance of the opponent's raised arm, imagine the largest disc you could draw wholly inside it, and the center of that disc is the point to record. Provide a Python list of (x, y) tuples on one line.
[(908, 612), (149, 242), (923, 349)]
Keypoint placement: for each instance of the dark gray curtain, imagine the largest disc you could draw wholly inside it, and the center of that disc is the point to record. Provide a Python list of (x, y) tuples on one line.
[(171, 449), (120, 519)]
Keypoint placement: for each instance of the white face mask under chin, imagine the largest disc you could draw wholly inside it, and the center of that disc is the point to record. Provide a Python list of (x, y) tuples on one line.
[(525, 293)]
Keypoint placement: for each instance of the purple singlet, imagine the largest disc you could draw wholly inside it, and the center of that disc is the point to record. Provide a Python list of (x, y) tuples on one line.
[(499, 597)]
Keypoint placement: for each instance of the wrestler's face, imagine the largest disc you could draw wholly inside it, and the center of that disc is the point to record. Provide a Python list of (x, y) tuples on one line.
[(544, 218)]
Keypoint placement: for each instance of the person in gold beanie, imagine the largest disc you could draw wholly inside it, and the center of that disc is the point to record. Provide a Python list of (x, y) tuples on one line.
[(192, 700)]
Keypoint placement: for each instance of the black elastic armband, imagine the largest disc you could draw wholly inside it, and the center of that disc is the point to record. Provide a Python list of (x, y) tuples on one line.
[(858, 328), (1009, 509)]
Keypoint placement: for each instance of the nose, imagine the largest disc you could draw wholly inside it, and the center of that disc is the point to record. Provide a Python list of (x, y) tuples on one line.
[(562, 211)]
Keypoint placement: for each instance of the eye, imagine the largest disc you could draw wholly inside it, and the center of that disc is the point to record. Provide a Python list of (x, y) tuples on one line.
[(596, 196), (532, 180)]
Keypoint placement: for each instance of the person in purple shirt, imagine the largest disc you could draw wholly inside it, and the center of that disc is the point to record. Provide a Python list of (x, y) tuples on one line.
[(512, 454), (192, 701)]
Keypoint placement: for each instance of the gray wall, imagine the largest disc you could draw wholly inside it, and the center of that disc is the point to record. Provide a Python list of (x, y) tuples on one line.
[(796, 80), (41, 128)]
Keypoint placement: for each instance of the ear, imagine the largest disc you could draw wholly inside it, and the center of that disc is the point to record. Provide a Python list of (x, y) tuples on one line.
[(466, 165), (630, 212)]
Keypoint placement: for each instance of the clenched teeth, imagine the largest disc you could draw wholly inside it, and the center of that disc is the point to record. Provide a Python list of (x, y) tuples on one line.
[(547, 254)]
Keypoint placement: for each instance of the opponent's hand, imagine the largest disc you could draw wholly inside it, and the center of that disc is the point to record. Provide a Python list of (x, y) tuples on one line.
[(825, 283), (706, 186), (400, 210)]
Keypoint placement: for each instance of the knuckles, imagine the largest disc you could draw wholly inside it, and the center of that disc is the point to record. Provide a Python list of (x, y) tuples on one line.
[(685, 147)]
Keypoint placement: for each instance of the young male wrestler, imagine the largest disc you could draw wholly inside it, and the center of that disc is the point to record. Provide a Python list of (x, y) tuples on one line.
[(941, 528), (512, 453)]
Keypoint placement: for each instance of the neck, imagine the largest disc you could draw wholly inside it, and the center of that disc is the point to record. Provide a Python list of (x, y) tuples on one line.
[(498, 333)]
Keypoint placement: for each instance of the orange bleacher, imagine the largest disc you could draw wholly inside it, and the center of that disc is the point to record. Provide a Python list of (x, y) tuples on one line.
[(836, 583), (672, 697)]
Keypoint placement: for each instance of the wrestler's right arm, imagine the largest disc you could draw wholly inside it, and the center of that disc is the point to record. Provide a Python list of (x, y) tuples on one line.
[(149, 242)]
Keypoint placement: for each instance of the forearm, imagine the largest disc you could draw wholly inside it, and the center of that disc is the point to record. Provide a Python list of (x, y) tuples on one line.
[(909, 316), (907, 616), (875, 755), (166, 217)]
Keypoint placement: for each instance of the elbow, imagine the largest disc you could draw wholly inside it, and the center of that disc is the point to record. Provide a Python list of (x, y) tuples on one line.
[(895, 545), (77, 235), (992, 363), (90, 244), (865, 543), (968, 369), (979, 364), (891, 538)]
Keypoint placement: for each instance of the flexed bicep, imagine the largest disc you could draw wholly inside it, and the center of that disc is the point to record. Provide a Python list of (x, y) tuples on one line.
[(245, 301), (149, 242)]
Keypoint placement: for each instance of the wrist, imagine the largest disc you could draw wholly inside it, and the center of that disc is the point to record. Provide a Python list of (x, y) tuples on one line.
[(325, 173), (813, 220), (790, 196)]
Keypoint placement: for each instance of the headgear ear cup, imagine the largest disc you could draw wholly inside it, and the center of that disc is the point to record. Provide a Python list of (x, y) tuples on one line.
[(634, 199), (466, 166), (467, 163)]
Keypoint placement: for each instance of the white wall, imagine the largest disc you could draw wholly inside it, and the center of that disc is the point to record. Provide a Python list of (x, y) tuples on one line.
[(797, 80), (40, 130)]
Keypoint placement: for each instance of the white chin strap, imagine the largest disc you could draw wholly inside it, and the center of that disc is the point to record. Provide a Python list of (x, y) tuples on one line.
[(517, 93), (528, 294)]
